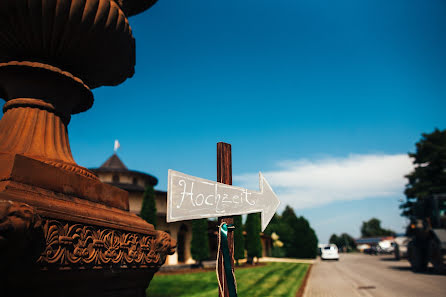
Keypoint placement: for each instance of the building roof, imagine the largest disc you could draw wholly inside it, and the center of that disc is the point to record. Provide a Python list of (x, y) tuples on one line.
[(371, 240), (115, 165), (129, 187)]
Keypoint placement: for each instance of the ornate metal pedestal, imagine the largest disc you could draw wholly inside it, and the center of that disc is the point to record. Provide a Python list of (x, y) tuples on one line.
[(62, 231)]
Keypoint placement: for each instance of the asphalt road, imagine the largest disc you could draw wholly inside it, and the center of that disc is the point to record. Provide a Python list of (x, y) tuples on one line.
[(365, 275)]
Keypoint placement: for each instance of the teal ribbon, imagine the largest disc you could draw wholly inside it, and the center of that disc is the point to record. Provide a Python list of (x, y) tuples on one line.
[(227, 260)]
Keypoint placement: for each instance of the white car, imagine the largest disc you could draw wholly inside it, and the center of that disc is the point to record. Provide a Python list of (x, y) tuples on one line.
[(386, 246), (329, 252)]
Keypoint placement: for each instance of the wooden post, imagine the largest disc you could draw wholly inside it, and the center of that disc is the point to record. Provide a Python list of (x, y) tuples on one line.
[(224, 175)]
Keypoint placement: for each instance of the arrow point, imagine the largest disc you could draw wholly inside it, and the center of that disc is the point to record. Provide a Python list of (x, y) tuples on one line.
[(271, 202)]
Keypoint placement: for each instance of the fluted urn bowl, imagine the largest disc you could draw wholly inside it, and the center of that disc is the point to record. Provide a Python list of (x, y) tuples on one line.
[(91, 39)]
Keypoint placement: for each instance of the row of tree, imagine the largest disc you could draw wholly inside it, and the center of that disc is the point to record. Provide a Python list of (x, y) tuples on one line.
[(293, 236), (253, 245), (344, 242), (297, 238), (370, 228)]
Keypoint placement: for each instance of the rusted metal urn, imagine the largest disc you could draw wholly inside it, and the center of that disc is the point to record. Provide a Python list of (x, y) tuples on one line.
[(62, 231)]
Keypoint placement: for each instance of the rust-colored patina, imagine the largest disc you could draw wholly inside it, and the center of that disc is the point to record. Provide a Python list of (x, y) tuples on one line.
[(62, 231)]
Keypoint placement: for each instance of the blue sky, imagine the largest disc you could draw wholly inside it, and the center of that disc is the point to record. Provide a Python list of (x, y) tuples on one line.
[(342, 89)]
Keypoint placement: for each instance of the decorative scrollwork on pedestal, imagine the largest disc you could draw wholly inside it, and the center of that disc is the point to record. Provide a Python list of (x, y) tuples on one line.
[(70, 245), (111, 244)]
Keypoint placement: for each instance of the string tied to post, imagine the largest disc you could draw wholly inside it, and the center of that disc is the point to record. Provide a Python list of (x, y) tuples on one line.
[(229, 273)]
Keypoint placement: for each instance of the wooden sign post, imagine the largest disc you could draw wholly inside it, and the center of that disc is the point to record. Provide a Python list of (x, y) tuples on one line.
[(190, 197), (224, 176)]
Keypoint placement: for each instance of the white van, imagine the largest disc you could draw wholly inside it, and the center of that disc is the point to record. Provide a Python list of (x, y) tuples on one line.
[(329, 252)]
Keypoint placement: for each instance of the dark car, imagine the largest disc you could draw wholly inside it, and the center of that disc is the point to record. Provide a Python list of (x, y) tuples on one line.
[(373, 250)]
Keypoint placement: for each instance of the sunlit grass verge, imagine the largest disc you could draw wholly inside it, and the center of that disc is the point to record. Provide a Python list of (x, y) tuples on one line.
[(273, 279)]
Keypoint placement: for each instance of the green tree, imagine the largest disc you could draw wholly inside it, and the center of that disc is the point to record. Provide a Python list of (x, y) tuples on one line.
[(373, 228), (335, 239), (273, 225), (298, 238), (348, 242), (288, 232), (200, 241), (239, 239), (429, 176), (344, 242), (253, 241), (272, 229), (148, 209), (306, 241)]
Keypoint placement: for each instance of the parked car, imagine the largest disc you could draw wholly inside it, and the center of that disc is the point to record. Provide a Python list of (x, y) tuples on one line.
[(386, 247), (373, 250), (400, 247), (329, 252)]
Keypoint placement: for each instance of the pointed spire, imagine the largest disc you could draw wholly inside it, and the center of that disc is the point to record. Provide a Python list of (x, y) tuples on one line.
[(113, 163)]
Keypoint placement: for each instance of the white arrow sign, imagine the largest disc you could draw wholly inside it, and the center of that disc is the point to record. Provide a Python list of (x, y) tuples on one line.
[(190, 197)]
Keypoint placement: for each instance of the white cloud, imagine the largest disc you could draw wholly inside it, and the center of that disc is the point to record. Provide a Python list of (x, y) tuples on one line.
[(310, 183)]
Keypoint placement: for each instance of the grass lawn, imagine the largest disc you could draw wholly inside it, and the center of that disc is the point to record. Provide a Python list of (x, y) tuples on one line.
[(273, 279)]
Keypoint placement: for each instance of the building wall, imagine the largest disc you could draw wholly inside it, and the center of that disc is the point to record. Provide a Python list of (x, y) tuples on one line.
[(105, 177), (123, 178), (161, 202), (135, 202), (182, 233)]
